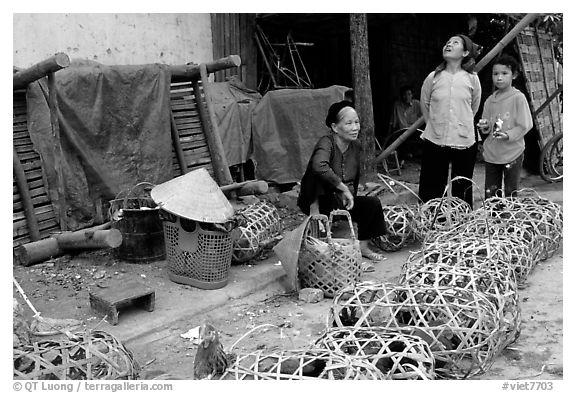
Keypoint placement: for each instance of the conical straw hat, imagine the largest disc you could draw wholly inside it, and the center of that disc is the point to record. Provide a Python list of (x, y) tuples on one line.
[(195, 196)]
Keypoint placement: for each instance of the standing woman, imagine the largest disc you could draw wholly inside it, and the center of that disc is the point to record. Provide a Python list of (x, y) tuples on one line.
[(450, 97), (333, 173)]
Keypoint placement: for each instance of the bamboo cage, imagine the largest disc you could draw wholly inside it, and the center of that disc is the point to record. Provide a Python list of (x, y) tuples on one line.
[(460, 326), (88, 355), (439, 215), (493, 279), (397, 355), (303, 364)]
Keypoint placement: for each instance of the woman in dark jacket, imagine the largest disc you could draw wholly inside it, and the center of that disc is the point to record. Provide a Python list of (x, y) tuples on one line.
[(332, 176)]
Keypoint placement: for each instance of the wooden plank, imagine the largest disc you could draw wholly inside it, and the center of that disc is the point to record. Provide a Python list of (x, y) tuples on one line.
[(196, 150), (181, 106), (22, 141), (41, 211), (29, 156), (30, 165), (194, 145), (24, 149), (192, 138), (33, 192), (20, 130), (38, 200), (31, 185), (46, 226)]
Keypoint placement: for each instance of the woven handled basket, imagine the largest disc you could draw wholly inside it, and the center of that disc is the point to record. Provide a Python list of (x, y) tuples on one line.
[(328, 263)]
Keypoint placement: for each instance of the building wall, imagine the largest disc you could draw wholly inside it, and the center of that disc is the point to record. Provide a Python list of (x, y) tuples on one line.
[(113, 39)]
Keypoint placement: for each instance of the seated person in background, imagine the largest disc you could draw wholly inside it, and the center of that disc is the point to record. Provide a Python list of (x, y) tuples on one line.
[(333, 173), (406, 110)]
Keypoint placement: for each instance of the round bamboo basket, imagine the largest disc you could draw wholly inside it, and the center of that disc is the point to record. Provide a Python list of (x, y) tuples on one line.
[(491, 279), (87, 355), (460, 326), (398, 220), (395, 354), (439, 215), (262, 223), (305, 364)]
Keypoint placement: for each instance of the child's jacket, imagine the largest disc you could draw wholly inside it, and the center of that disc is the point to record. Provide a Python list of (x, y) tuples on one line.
[(512, 108)]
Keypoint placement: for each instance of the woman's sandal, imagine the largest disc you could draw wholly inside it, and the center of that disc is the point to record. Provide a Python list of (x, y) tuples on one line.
[(374, 256)]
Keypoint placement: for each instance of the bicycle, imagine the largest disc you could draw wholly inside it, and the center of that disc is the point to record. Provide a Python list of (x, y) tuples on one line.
[(551, 164)]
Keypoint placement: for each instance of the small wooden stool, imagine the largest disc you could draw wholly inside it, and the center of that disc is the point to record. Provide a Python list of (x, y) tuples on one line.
[(107, 301)]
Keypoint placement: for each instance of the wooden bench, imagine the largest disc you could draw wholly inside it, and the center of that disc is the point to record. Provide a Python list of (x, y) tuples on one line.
[(109, 300)]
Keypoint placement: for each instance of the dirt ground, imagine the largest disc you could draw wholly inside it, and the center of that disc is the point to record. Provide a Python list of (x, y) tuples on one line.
[(59, 288)]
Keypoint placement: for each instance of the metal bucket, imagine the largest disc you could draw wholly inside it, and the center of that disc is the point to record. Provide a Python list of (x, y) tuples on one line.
[(138, 220)]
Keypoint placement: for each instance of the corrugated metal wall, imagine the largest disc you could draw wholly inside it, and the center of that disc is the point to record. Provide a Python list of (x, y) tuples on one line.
[(233, 34)]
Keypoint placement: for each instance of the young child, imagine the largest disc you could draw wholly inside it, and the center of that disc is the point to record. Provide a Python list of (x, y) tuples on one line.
[(506, 118)]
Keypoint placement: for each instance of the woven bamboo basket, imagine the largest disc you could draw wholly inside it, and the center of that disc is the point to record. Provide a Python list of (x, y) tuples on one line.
[(328, 263), (87, 355), (305, 364), (460, 326), (545, 223), (464, 243), (398, 220), (490, 278), (395, 354), (498, 229), (439, 215), (262, 223)]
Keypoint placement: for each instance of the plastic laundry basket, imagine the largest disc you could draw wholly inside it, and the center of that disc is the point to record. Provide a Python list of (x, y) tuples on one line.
[(196, 256)]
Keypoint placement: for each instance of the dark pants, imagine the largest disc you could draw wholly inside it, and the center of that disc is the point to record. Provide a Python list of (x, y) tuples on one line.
[(367, 213), (509, 172), (434, 172)]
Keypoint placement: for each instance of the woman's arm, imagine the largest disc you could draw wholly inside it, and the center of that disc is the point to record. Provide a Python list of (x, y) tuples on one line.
[(425, 96), (320, 163), (476, 93)]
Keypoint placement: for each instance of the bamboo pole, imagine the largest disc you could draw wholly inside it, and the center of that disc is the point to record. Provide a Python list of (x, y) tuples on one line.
[(39, 70), (188, 72), (177, 145), (24, 191), (529, 18), (217, 153)]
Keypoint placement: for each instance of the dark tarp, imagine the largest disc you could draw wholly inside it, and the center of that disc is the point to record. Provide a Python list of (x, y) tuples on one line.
[(233, 105), (286, 125), (114, 133)]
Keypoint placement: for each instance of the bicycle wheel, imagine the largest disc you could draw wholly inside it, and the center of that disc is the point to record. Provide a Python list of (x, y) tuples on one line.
[(552, 159)]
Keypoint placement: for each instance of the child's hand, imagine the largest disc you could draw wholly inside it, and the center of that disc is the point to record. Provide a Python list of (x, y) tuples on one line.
[(483, 126), (501, 135)]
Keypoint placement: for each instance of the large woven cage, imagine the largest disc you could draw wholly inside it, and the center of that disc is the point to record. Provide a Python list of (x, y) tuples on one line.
[(395, 354), (538, 215), (87, 355), (465, 243), (496, 280), (196, 256), (328, 263), (460, 326), (304, 364), (438, 215), (398, 220), (262, 223)]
